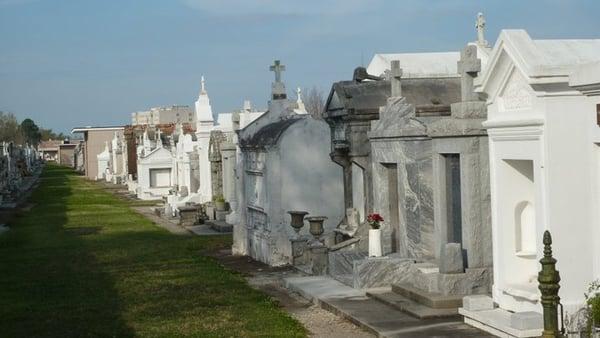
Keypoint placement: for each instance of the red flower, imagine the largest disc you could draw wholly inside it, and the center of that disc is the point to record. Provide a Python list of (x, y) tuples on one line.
[(374, 220), (374, 217)]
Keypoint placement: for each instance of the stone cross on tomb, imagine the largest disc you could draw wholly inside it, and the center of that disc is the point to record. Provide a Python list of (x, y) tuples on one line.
[(395, 76), (480, 25), (158, 138), (277, 68), (278, 86), (468, 67)]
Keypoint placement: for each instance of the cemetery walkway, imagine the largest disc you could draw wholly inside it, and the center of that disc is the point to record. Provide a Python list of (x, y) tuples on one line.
[(80, 262)]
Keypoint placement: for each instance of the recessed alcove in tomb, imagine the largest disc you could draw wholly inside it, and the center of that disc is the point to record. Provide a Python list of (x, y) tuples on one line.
[(453, 198), (393, 208), (522, 202), (525, 229), (516, 203), (358, 190), (160, 178)]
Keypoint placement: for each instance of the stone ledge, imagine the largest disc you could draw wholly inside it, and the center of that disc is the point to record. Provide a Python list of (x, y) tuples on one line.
[(496, 322), (378, 318), (386, 296), (429, 299), (220, 226)]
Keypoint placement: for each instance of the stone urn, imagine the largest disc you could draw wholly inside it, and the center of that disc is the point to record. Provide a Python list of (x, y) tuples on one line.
[(316, 225), (297, 221), (375, 249), (220, 205)]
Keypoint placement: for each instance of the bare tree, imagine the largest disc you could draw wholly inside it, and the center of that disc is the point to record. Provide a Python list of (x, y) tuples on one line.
[(314, 101), (10, 130)]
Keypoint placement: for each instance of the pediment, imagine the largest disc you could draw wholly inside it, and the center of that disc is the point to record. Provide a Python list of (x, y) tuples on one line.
[(514, 51), (335, 103), (160, 154), (516, 93)]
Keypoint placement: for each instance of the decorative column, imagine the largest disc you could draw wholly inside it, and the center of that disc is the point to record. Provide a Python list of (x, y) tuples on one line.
[(549, 279), (228, 159)]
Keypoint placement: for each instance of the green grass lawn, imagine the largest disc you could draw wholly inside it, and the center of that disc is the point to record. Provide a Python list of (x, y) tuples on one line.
[(81, 263)]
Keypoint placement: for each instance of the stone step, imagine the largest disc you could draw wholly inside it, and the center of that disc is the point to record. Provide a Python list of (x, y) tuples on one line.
[(346, 279), (376, 317), (386, 296), (429, 299), (220, 226)]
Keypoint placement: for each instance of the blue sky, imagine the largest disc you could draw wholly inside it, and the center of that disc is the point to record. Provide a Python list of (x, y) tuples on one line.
[(86, 62)]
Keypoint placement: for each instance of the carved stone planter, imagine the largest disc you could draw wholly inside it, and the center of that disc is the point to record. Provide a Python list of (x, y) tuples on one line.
[(316, 225), (220, 206), (297, 221)]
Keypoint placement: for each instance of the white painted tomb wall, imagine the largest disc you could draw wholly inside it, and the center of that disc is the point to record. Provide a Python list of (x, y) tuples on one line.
[(540, 149), (154, 174)]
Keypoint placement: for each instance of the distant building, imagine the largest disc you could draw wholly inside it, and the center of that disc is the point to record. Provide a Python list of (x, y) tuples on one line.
[(163, 115), (49, 150), (66, 154), (95, 139)]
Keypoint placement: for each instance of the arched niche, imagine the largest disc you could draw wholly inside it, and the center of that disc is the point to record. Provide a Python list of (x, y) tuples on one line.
[(525, 232)]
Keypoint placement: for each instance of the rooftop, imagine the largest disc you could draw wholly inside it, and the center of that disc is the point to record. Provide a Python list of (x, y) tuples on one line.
[(417, 65)]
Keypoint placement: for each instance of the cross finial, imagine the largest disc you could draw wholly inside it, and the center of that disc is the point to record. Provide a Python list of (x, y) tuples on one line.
[(468, 67), (158, 138), (395, 76), (299, 94), (480, 25), (278, 86), (277, 67), (202, 85)]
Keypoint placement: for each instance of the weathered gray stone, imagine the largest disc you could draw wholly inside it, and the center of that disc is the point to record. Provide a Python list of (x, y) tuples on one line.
[(300, 252), (468, 67), (451, 259), (374, 272), (478, 303), (189, 215), (469, 110), (217, 137), (349, 110), (526, 320), (318, 259), (220, 215), (473, 281)]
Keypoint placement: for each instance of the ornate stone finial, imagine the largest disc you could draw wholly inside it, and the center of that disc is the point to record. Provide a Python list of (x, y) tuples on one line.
[(547, 243), (202, 85), (278, 90), (480, 25), (549, 279), (395, 76)]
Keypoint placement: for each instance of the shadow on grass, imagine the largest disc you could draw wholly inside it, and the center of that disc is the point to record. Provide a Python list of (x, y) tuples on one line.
[(49, 282), (81, 263)]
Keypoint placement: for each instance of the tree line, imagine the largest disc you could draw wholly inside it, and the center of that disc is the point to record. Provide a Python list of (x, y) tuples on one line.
[(25, 132)]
